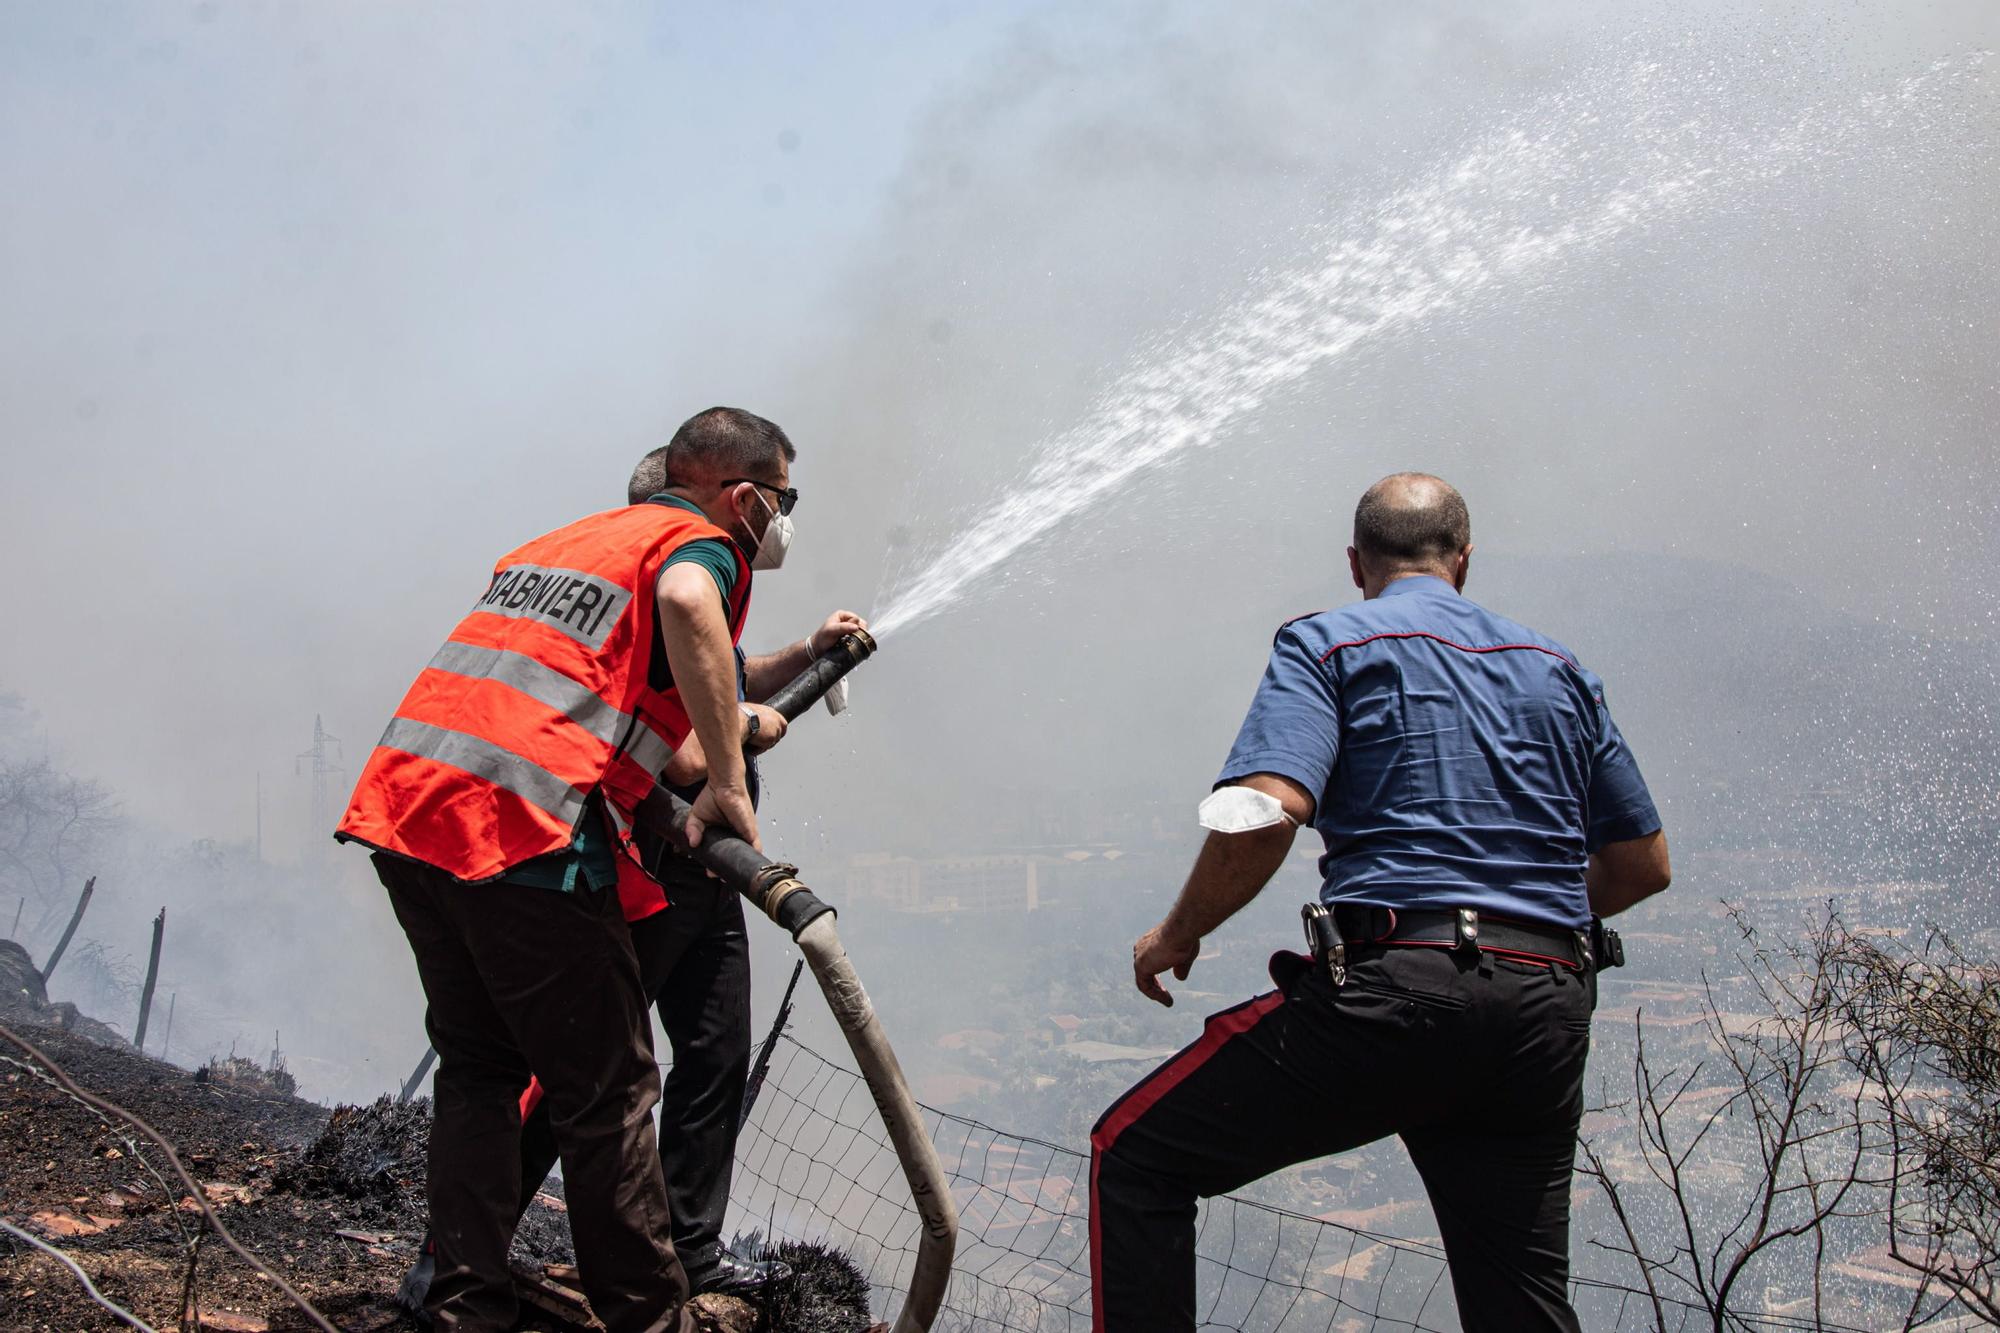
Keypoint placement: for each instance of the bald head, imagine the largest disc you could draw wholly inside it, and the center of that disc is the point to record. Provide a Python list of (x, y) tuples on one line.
[(1410, 523)]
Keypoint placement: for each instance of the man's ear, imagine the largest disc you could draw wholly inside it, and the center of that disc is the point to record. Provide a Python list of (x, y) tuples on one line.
[(1354, 567), (725, 506), (1463, 569)]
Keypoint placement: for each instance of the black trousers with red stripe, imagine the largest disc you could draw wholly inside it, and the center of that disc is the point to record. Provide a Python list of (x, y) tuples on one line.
[(1477, 1062)]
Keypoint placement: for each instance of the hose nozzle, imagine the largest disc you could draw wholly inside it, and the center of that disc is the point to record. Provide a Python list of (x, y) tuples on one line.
[(811, 685)]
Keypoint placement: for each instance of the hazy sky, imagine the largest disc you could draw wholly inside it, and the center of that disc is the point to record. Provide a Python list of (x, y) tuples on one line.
[(311, 311)]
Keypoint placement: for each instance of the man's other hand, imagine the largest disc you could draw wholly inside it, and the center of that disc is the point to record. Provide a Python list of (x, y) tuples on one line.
[(725, 807), (687, 766), (838, 626), (1156, 953), (770, 730)]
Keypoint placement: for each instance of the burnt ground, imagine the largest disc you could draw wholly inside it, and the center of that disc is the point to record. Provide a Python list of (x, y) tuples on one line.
[(332, 1200)]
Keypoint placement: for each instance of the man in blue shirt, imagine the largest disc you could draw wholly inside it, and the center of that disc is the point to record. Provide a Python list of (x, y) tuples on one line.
[(1478, 808)]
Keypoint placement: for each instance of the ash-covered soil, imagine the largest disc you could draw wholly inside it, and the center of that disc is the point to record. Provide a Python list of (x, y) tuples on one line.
[(105, 1196), (332, 1200)]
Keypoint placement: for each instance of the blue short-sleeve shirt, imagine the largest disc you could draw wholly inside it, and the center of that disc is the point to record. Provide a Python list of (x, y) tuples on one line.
[(1459, 759)]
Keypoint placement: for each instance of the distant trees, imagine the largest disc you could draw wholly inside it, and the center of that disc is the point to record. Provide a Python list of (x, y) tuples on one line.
[(53, 827), (1846, 1103)]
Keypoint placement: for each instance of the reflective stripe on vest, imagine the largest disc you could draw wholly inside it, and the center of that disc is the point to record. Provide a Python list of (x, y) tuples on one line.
[(557, 692), (649, 749), (483, 759), (544, 684)]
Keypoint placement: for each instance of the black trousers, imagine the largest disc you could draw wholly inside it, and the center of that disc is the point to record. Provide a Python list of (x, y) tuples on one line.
[(694, 964), (1477, 1062), (519, 978)]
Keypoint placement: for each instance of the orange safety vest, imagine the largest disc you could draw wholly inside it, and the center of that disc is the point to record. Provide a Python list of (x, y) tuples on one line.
[(538, 698)]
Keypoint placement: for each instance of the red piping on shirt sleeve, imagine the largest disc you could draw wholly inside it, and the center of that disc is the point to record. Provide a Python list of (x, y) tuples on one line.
[(1462, 647), (1303, 615)]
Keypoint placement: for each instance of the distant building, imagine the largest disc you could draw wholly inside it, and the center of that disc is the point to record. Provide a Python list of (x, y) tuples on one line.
[(1106, 1052), (893, 881), (979, 1041), (1062, 1029), (1028, 880), (981, 884), (947, 1089), (1005, 883)]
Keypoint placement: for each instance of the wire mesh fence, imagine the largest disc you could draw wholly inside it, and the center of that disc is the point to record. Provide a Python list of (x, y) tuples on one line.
[(815, 1164)]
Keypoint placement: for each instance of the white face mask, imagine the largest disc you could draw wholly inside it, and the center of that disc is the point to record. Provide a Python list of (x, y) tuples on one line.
[(1240, 810), (776, 541)]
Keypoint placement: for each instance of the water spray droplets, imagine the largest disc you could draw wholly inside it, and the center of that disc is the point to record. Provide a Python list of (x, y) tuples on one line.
[(1625, 150)]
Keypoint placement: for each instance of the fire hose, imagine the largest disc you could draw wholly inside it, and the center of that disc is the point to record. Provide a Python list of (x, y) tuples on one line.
[(774, 888)]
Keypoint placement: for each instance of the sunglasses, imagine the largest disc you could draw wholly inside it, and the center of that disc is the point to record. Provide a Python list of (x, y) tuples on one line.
[(788, 496)]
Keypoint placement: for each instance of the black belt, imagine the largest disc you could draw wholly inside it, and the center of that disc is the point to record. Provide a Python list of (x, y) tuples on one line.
[(1334, 934)]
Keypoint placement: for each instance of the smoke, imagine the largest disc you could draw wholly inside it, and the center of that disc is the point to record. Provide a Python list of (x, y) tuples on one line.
[(312, 313), (1732, 458), (1789, 381), (1617, 157)]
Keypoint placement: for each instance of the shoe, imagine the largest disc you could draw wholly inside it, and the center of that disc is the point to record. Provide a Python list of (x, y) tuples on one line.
[(417, 1285), (728, 1274)]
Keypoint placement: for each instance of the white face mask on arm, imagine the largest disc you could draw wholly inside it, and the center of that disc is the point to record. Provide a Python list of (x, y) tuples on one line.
[(1240, 810)]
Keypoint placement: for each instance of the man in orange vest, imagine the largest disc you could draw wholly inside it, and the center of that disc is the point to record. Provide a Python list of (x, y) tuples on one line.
[(694, 965), (495, 803)]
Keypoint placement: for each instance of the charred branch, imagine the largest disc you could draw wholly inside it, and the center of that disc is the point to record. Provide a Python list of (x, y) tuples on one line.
[(152, 979), (69, 931)]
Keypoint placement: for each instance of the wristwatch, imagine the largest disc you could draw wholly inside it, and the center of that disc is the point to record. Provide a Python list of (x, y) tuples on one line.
[(756, 723)]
